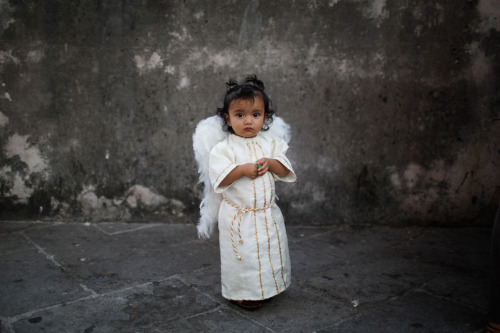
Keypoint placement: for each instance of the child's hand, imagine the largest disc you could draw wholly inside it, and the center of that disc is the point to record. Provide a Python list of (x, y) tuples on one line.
[(249, 170), (262, 166)]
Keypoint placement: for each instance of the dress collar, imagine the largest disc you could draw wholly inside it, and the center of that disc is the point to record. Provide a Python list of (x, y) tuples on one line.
[(237, 138)]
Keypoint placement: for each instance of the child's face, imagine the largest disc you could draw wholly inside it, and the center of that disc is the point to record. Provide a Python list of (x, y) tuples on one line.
[(246, 117)]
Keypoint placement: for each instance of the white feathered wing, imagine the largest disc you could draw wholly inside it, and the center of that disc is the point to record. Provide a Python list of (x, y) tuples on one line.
[(208, 133)]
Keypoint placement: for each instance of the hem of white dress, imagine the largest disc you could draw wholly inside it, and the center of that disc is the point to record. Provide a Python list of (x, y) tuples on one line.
[(255, 299)]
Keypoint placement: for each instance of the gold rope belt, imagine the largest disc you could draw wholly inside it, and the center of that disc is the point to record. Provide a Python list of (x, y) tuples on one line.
[(241, 211)]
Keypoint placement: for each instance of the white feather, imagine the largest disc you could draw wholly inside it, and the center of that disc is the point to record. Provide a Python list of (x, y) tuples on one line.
[(279, 129), (208, 133)]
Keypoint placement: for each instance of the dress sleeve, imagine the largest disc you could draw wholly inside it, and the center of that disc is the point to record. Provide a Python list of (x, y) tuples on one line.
[(280, 148), (221, 163)]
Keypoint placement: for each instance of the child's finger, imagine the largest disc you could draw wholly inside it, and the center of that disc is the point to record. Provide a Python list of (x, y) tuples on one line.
[(262, 166)]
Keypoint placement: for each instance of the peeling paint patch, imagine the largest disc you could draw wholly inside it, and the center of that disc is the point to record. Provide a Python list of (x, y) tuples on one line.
[(63, 208), (396, 181), (412, 174), (139, 195), (88, 198), (184, 36), (7, 97), (204, 58), (20, 182), (136, 198), (432, 192), (319, 195), (183, 82), (428, 20), (15, 186), (199, 15), (34, 56), (5, 19), (89, 201), (327, 164), (20, 190), (170, 70), (6, 57), (490, 14), (377, 11), (7, 23), (140, 62), (312, 5), (19, 145), (373, 10), (347, 68), (273, 55), (394, 177), (481, 64), (4, 120), (154, 62)]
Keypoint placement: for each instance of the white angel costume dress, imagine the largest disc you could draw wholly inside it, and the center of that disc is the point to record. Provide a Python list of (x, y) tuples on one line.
[(255, 262)]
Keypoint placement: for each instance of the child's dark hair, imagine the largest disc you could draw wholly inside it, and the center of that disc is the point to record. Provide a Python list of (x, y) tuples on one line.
[(249, 89)]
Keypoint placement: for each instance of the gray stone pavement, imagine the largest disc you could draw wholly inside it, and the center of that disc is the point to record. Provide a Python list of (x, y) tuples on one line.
[(126, 277)]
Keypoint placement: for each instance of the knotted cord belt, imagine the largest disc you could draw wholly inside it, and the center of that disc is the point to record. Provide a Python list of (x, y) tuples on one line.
[(241, 211)]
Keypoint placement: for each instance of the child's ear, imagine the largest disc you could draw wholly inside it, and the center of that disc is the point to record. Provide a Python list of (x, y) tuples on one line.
[(228, 121)]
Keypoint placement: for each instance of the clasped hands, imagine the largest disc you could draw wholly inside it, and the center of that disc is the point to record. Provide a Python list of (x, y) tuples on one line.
[(257, 169)]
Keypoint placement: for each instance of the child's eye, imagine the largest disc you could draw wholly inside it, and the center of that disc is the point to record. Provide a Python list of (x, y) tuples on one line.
[(256, 115), (239, 115)]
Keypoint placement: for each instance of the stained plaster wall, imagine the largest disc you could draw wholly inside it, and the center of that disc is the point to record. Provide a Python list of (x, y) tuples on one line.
[(394, 105)]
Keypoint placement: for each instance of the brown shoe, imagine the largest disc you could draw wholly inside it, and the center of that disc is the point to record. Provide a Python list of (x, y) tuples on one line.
[(248, 305)]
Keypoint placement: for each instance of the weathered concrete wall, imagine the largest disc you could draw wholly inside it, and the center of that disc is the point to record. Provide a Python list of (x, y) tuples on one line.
[(394, 105)]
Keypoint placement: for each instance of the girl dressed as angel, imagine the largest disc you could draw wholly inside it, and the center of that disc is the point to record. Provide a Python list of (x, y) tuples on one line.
[(242, 170)]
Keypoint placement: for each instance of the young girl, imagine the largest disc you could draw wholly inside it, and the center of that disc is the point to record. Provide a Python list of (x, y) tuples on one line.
[(255, 263)]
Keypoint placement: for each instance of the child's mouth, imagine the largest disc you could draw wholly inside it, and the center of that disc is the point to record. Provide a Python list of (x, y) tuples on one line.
[(248, 129)]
